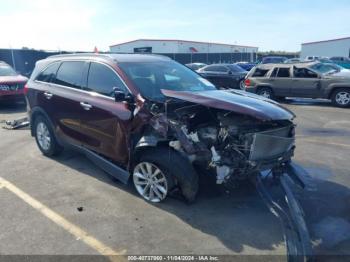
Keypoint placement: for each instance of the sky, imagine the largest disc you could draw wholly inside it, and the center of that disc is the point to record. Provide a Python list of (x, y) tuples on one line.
[(80, 25)]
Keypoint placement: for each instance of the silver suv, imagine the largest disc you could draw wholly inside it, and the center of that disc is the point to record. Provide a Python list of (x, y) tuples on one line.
[(310, 80)]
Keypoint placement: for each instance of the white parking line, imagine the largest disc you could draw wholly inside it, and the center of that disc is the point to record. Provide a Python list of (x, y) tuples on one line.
[(64, 223)]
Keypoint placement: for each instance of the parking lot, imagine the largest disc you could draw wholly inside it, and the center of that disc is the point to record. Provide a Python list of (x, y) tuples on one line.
[(69, 206)]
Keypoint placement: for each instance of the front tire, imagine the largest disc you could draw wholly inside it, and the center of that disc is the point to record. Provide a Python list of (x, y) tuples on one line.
[(45, 137), (341, 97), (242, 85), (159, 171)]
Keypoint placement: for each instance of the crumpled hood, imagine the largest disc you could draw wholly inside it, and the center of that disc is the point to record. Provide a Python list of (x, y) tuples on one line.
[(236, 101), (13, 79)]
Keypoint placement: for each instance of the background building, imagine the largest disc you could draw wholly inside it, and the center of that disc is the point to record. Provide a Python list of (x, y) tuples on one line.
[(328, 48), (189, 51)]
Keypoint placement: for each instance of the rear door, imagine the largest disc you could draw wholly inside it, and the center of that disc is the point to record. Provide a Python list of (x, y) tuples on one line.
[(58, 88), (64, 96), (280, 81), (306, 83), (104, 122)]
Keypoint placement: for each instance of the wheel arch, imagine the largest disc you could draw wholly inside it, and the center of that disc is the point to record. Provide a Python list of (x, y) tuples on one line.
[(35, 113), (187, 181), (335, 88), (259, 87)]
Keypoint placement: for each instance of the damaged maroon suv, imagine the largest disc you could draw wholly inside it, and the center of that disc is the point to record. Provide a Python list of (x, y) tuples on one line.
[(150, 120)]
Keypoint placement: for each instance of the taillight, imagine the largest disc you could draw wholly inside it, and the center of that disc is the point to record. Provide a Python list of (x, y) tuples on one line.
[(25, 89), (247, 82)]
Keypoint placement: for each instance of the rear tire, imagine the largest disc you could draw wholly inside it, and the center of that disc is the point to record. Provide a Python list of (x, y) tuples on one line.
[(45, 137), (265, 92), (241, 85), (341, 97), (167, 169)]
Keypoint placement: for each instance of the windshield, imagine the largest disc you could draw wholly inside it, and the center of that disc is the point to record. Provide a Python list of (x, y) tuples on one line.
[(6, 70), (151, 77), (326, 68)]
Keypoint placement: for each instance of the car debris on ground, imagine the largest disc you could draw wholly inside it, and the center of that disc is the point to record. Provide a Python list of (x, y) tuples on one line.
[(16, 124)]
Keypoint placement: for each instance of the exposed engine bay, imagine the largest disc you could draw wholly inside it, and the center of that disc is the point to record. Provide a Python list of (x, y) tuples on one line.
[(232, 146)]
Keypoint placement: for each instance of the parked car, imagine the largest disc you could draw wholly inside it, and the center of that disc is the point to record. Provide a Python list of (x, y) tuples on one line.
[(310, 80), (195, 66), (11, 84), (246, 65), (342, 61), (152, 120), (311, 58), (292, 60), (273, 59), (224, 75)]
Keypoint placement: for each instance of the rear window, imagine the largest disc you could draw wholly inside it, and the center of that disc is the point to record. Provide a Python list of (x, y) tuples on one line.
[(236, 69), (70, 74), (260, 72)]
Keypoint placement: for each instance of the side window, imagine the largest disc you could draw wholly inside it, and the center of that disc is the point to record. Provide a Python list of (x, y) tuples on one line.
[(221, 69), (70, 74), (283, 72), (260, 72), (215, 68), (49, 73), (304, 73), (103, 80), (209, 68)]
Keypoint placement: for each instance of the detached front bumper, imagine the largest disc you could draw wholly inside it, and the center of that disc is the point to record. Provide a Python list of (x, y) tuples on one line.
[(287, 208)]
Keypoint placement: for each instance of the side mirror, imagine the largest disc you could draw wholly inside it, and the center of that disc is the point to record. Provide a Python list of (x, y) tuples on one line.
[(120, 96)]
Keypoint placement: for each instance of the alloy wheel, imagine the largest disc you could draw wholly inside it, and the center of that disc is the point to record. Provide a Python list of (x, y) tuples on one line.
[(242, 85), (150, 182), (342, 98), (43, 136), (265, 94)]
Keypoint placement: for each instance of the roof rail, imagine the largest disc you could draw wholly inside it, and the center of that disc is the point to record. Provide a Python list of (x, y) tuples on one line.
[(75, 54)]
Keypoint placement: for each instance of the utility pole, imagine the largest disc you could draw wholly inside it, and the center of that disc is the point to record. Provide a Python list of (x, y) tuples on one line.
[(13, 58)]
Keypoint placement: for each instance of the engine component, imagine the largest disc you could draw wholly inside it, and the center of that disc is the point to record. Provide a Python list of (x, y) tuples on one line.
[(222, 173), (175, 144)]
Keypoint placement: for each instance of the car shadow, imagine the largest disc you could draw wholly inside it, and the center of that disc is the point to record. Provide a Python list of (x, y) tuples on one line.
[(307, 102), (326, 205), (239, 219)]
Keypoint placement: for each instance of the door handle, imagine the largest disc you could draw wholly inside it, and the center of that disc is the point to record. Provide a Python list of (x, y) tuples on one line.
[(48, 95), (86, 106)]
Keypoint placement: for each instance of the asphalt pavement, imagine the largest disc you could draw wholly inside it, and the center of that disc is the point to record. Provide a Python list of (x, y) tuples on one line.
[(68, 206)]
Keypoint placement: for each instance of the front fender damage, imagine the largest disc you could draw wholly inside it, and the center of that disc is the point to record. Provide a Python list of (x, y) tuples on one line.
[(234, 147)]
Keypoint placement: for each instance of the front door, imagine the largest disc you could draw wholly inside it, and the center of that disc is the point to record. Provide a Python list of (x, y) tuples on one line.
[(306, 83), (104, 122)]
